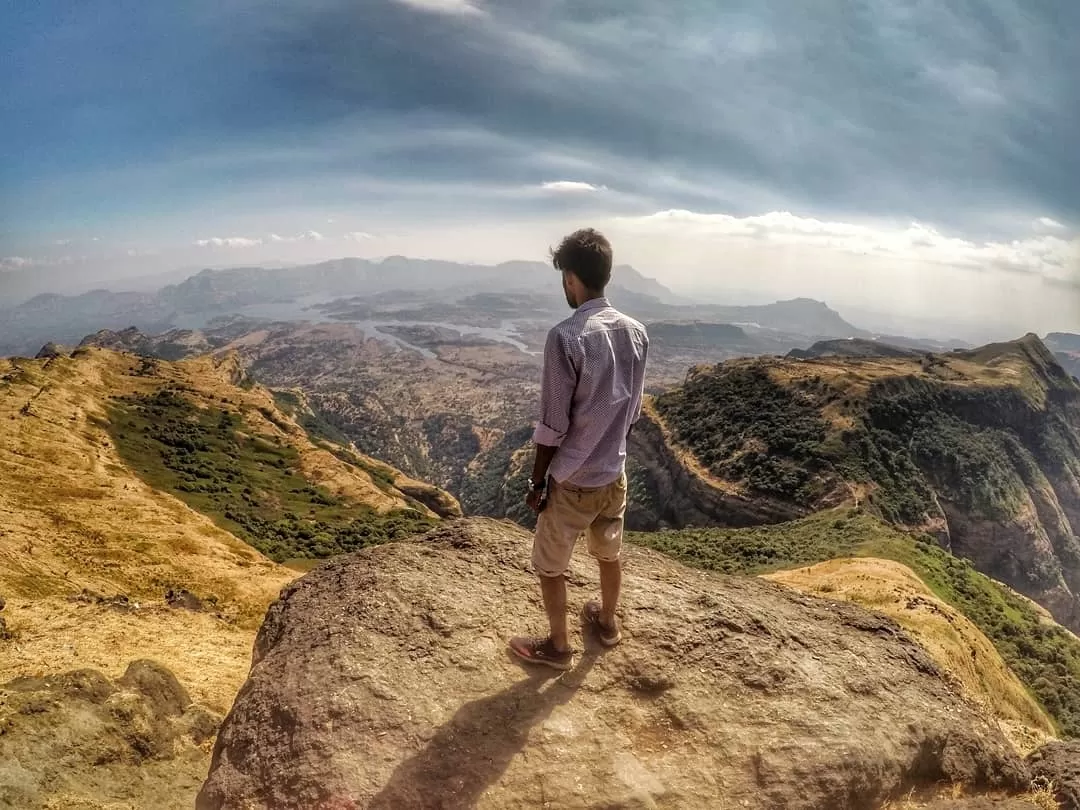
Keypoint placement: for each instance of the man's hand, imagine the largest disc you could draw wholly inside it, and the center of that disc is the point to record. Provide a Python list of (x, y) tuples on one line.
[(536, 500)]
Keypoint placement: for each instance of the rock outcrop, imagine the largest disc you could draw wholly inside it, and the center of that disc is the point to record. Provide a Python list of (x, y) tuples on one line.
[(81, 740), (381, 680), (1057, 766)]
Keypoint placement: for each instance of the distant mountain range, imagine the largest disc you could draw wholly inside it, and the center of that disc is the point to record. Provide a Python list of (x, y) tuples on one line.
[(360, 277), (432, 291)]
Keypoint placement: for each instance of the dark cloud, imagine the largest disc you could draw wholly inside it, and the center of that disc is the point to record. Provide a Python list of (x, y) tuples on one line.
[(954, 112)]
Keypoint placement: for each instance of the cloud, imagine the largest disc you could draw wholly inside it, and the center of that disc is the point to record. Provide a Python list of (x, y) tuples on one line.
[(306, 236), (1050, 257), (453, 7), (25, 262), (228, 241), (571, 186), (17, 262), (412, 114), (359, 236), (1047, 224)]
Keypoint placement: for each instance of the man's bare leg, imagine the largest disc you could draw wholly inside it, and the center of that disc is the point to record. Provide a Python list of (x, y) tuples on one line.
[(553, 590), (610, 586)]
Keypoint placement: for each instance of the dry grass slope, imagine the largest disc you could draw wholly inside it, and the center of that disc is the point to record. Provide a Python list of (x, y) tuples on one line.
[(955, 643), (74, 517)]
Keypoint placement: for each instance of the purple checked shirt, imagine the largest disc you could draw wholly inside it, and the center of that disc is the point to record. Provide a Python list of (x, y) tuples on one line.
[(594, 375)]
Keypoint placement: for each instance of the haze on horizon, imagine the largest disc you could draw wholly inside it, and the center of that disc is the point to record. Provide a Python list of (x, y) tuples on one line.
[(886, 156)]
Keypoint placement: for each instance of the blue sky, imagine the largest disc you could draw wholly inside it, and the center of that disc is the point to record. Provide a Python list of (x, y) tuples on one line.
[(772, 145)]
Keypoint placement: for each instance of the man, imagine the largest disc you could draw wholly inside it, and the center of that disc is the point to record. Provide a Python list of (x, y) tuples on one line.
[(594, 371)]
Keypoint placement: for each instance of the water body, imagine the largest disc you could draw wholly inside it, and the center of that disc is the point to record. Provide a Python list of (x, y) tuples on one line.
[(303, 310)]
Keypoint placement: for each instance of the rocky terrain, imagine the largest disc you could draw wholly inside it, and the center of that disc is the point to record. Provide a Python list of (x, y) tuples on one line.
[(382, 680), (69, 738), (135, 494), (979, 448)]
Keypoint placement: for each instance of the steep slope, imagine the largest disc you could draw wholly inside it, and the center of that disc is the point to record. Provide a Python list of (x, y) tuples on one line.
[(381, 681), (1042, 654), (1066, 348), (115, 543), (979, 448)]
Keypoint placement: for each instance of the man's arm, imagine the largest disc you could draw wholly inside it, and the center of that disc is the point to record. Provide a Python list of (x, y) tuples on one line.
[(639, 383), (558, 382), (544, 455)]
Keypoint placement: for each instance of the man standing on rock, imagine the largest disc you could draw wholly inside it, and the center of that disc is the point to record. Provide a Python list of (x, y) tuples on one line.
[(594, 372)]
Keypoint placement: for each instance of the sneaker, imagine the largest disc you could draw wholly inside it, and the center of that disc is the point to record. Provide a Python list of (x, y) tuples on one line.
[(590, 614), (541, 651)]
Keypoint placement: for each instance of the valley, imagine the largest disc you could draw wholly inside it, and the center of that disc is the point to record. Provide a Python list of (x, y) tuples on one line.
[(167, 483)]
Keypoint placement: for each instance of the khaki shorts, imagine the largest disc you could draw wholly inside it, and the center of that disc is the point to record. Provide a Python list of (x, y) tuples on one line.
[(570, 511)]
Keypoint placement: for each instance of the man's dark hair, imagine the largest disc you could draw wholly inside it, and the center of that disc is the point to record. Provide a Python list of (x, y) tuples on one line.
[(586, 254)]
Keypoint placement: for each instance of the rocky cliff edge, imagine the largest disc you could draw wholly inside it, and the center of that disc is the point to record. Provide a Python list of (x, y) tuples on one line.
[(381, 680)]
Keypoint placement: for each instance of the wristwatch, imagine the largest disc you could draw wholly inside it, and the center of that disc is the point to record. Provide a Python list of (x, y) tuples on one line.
[(535, 487)]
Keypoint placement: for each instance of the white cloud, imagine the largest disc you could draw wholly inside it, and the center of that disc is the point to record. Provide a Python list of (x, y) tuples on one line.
[(1044, 224), (571, 186), (359, 236), (1051, 257), (228, 241), (306, 236), (23, 262), (454, 7), (16, 262)]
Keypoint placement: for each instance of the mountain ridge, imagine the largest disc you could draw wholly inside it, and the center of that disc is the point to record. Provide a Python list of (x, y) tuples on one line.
[(979, 448)]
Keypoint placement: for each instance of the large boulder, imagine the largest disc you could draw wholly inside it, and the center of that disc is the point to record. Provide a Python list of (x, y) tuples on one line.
[(1057, 766), (381, 680)]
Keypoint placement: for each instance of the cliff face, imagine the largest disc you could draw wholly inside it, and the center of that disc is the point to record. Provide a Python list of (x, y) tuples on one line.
[(381, 680), (676, 491), (980, 449)]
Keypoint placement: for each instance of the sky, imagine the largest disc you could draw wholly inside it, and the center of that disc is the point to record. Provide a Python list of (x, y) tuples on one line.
[(908, 157)]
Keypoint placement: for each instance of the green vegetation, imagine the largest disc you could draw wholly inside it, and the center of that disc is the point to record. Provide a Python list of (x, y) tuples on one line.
[(980, 447), (744, 427), (249, 484), (330, 438), (1044, 656), (316, 426)]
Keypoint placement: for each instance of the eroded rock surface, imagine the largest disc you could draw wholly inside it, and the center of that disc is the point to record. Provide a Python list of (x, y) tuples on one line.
[(381, 680), (82, 740)]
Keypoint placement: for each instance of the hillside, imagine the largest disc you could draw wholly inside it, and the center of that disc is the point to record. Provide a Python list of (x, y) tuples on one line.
[(851, 347), (1066, 348), (983, 633), (979, 448), (802, 316), (130, 486), (726, 692)]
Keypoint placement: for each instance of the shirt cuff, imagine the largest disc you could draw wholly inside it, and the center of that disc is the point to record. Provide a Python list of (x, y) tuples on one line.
[(546, 436)]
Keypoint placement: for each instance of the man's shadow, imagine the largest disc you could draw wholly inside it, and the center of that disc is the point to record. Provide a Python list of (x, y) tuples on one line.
[(474, 748)]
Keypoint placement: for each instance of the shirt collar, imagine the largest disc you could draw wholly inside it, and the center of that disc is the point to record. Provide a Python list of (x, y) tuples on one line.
[(595, 303)]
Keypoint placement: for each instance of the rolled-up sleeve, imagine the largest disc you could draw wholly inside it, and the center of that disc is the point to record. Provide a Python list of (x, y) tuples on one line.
[(556, 392)]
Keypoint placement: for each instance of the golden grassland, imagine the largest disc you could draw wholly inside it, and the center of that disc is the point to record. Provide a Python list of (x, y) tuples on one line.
[(959, 647), (73, 517)]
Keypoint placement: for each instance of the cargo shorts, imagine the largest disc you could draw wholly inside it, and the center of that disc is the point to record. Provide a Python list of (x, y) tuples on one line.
[(571, 511)]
